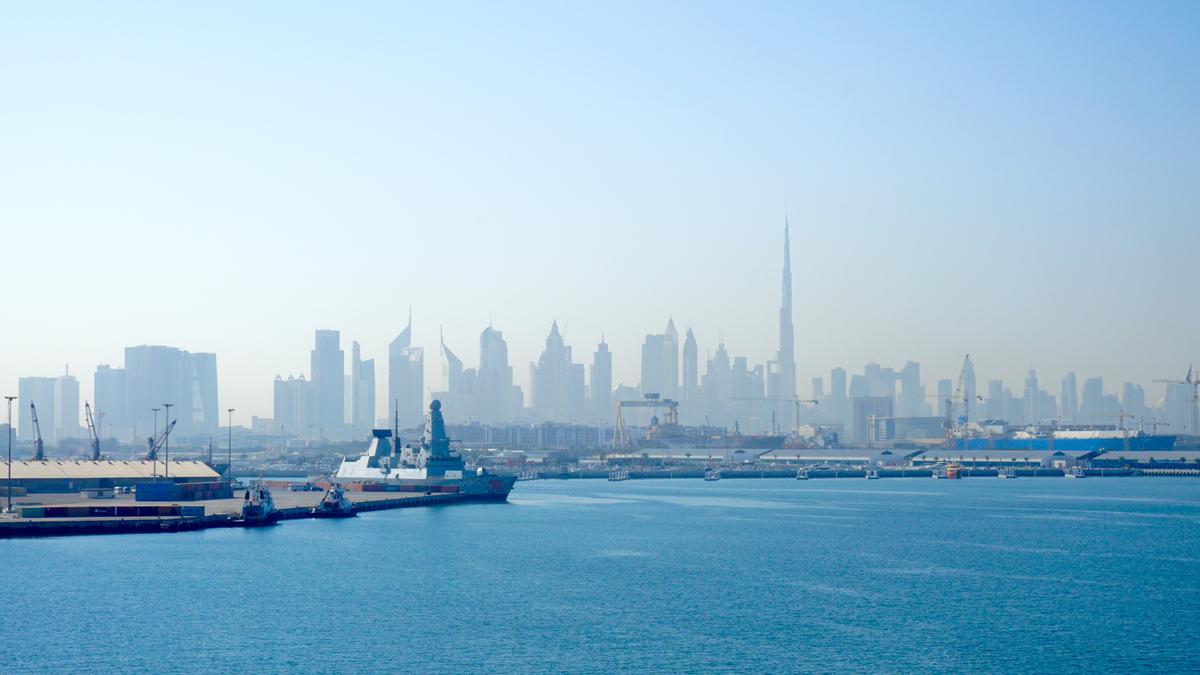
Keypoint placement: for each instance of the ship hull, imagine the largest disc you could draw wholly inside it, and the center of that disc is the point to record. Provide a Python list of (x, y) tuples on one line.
[(1146, 443)]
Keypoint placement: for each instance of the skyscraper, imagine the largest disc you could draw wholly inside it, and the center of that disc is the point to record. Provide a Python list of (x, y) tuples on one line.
[(602, 388), (38, 391), (155, 374), (111, 415), (497, 398), (1070, 398), (406, 380), (362, 388), (1032, 408), (782, 373), (557, 394), (660, 363), (66, 407), (691, 372), (294, 407), (329, 385)]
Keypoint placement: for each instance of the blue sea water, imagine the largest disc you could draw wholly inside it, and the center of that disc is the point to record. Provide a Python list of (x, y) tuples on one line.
[(893, 575)]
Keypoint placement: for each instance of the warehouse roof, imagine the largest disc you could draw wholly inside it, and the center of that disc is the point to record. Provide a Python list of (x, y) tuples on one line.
[(974, 455), (1146, 456), (76, 469)]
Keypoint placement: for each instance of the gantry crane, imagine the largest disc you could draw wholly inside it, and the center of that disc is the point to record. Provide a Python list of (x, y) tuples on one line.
[(92, 433), (1193, 382), (670, 420), (39, 448)]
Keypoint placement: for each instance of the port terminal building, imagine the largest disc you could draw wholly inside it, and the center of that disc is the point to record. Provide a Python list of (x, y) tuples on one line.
[(71, 475), (1156, 459)]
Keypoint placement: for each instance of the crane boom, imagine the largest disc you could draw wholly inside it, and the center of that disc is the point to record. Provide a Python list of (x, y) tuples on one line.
[(156, 443), (92, 433), (39, 453)]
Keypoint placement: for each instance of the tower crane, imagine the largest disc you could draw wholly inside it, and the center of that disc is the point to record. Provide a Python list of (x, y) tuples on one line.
[(92, 433), (1193, 382), (39, 453)]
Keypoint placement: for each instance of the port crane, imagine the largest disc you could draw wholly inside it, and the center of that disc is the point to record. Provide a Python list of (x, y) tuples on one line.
[(93, 435), (39, 452), (156, 443), (621, 437), (1192, 381)]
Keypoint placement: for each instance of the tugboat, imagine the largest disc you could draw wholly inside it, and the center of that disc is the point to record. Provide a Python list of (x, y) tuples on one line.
[(1074, 472), (872, 474), (258, 507), (618, 475), (334, 504), (712, 474), (802, 473)]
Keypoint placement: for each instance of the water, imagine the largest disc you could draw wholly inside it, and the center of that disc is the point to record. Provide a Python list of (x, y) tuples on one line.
[(585, 576)]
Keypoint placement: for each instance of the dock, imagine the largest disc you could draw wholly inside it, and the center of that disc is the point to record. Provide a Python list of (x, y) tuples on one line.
[(217, 512)]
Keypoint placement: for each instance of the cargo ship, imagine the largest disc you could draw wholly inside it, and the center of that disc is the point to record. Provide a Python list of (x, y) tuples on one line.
[(1074, 440), (428, 468)]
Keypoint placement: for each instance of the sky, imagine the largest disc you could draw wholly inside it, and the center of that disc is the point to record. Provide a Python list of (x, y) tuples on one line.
[(1016, 180)]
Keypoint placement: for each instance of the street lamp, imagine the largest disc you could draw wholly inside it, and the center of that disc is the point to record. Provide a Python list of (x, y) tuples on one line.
[(9, 400), (167, 440), (229, 469), (153, 440)]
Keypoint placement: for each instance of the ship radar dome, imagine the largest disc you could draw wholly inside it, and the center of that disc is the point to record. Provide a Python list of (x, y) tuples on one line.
[(435, 405)]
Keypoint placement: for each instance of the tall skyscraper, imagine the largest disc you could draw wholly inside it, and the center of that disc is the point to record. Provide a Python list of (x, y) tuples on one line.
[(602, 386), (362, 387), (406, 380), (109, 392), (66, 407), (294, 412), (782, 373), (1070, 398), (155, 374), (40, 392), (691, 372), (557, 394), (838, 401), (969, 389), (497, 398), (660, 363), (912, 392), (1032, 408), (329, 384)]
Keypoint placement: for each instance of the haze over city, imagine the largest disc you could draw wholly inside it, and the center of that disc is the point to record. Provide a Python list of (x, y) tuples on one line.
[(1021, 188)]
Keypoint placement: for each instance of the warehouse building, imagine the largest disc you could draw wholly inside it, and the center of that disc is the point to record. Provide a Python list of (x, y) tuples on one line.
[(71, 475)]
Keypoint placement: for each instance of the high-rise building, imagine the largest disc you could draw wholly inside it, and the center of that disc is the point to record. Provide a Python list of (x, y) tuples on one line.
[(660, 363), (66, 407), (838, 400), (155, 374), (109, 392), (717, 387), (1032, 409), (295, 407), (1133, 402), (40, 392), (969, 389), (329, 384), (1092, 404), (497, 398), (866, 410), (912, 392), (557, 394), (818, 388), (782, 372), (1070, 398), (406, 380), (691, 372), (601, 384), (362, 387)]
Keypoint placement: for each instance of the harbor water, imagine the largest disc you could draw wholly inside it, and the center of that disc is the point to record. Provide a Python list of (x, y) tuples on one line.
[(765, 575)]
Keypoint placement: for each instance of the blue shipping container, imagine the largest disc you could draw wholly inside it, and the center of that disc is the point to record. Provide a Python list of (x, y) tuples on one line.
[(156, 492)]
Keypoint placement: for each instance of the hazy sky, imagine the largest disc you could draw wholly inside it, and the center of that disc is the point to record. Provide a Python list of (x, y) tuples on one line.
[(1014, 180)]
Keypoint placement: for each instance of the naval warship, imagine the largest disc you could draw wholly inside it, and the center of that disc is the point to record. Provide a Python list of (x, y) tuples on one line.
[(429, 467)]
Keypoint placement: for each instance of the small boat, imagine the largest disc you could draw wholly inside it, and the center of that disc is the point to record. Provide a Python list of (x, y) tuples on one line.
[(954, 471), (334, 504), (802, 473), (712, 474), (1075, 472), (618, 475), (1006, 472), (258, 507), (938, 471), (872, 474)]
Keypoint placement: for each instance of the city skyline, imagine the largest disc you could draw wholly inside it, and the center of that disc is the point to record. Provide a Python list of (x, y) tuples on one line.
[(1020, 188)]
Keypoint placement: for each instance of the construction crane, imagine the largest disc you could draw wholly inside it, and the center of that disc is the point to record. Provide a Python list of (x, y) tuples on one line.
[(621, 437), (92, 433), (39, 453), (797, 401), (156, 443), (1194, 383)]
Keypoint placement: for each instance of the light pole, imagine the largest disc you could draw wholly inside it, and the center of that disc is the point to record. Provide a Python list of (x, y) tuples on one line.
[(167, 440), (9, 399), (154, 440), (229, 469)]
